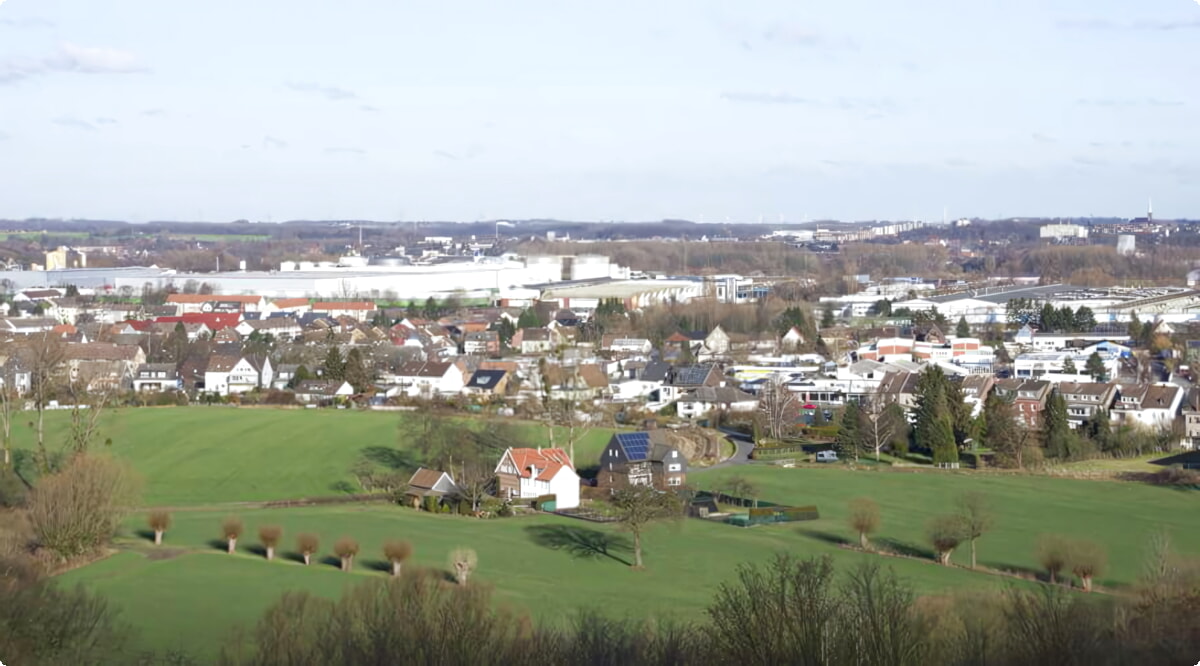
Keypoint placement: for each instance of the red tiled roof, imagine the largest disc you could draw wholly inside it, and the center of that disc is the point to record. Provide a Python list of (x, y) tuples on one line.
[(342, 305), (547, 461), (289, 302), (215, 321), (206, 298)]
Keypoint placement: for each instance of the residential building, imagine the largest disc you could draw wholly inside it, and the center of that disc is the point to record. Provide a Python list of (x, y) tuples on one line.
[(482, 343), (487, 383), (1191, 420), (1150, 405), (426, 379), (360, 310), (706, 399), (229, 374), (156, 378), (205, 303), (429, 483), (1085, 399), (323, 390), (532, 340), (532, 473), (681, 380), (642, 459), (1027, 396)]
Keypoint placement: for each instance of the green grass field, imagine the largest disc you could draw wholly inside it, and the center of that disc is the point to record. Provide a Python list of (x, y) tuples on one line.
[(37, 235), (221, 238), (195, 596), (210, 455)]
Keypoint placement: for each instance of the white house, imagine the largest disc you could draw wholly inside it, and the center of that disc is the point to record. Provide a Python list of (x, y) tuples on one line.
[(706, 399), (532, 473), (316, 390), (427, 379), (1151, 405), (228, 374)]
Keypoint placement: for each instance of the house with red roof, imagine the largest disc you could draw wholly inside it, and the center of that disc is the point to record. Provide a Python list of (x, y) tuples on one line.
[(360, 310), (532, 473), (196, 303)]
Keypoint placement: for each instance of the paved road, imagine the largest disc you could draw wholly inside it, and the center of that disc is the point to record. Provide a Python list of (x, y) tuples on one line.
[(742, 455)]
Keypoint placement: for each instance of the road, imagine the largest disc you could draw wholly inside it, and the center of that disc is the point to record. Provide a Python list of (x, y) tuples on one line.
[(741, 456)]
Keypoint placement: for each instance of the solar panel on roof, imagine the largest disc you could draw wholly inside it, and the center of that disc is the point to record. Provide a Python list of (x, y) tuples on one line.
[(636, 444)]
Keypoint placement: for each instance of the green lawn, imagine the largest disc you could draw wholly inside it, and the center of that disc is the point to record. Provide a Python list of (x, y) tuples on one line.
[(207, 455), (193, 599), (221, 238), (1119, 515)]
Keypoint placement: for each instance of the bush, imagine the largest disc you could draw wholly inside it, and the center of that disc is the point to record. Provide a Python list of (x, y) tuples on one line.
[(864, 519), (397, 552), (307, 545), (79, 509), (13, 491), (346, 548), (1087, 560), (269, 536), (945, 534), (1052, 554)]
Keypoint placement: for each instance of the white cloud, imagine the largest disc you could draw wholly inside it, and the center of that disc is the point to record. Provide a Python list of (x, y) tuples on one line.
[(68, 121), (328, 92), (344, 150), (71, 58), (766, 98)]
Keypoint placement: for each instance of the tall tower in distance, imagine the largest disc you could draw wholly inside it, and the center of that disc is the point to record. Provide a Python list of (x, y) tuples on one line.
[(1149, 211)]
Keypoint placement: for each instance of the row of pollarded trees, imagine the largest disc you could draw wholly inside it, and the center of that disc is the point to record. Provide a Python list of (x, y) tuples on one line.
[(463, 561), (972, 519)]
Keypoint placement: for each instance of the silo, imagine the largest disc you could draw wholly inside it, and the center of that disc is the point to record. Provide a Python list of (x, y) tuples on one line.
[(543, 268)]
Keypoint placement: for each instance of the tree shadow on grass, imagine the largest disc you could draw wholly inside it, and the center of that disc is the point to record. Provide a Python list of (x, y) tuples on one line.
[(330, 560), (218, 544), (292, 556), (257, 549), (904, 548), (146, 535), (378, 565), (827, 537), (580, 542)]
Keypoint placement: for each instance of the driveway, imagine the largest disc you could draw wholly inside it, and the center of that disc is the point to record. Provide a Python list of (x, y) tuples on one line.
[(741, 456)]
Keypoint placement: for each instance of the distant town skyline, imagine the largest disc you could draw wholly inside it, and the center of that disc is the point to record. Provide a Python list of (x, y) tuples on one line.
[(698, 110)]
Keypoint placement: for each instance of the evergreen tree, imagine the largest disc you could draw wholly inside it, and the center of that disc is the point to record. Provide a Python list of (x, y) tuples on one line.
[(1099, 430), (827, 317), (1055, 430), (1048, 317), (963, 330), (849, 437), (301, 374), (334, 367), (819, 419), (999, 431), (1068, 366), (1066, 319), (934, 427), (1135, 326), (1095, 368), (431, 309), (1085, 319), (355, 372), (529, 319), (505, 329)]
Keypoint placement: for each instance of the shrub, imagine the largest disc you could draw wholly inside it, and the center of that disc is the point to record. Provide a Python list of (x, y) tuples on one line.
[(158, 520), (80, 508), (346, 548), (397, 552), (269, 536), (231, 529), (945, 534), (307, 545), (430, 504), (463, 561)]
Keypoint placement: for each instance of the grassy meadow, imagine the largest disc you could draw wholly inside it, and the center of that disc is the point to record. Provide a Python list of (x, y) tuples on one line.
[(213, 455)]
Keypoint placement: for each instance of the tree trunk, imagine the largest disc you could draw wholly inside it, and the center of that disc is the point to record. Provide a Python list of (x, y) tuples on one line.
[(944, 557), (232, 544), (862, 540), (270, 553), (637, 550), (972, 553), (1086, 581), (396, 568), (307, 559), (158, 537), (1053, 577)]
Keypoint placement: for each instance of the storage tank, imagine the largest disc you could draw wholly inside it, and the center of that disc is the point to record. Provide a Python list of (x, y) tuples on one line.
[(544, 268)]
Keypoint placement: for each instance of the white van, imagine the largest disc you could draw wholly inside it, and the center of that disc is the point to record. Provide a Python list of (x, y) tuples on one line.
[(827, 456)]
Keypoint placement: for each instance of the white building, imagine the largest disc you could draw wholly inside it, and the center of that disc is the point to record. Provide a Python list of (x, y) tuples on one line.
[(1061, 231), (532, 473)]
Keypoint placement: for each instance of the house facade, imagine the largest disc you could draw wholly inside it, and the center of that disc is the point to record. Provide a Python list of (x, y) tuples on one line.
[(156, 378), (229, 374), (531, 473), (642, 459)]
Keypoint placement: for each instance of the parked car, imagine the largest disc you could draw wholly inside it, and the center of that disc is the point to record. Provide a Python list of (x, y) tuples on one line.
[(827, 456)]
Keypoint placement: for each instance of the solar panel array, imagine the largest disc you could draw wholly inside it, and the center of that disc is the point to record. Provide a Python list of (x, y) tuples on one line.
[(637, 445), (692, 374)]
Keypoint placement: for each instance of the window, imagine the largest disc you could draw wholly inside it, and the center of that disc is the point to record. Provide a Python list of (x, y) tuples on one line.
[(674, 481), (674, 467)]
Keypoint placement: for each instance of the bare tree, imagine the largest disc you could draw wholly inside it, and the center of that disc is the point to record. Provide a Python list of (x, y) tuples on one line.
[(45, 353), (775, 407), (158, 520), (8, 396), (231, 529), (346, 548), (864, 519), (639, 506), (878, 425), (91, 390), (975, 512), (475, 484), (269, 536), (463, 561), (397, 552), (79, 509), (307, 544)]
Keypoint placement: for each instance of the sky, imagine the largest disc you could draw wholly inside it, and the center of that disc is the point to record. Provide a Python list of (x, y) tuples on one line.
[(706, 110)]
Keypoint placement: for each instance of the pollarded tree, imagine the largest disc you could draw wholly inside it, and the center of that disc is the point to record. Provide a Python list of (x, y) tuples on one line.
[(231, 529), (307, 545), (1087, 560), (397, 552), (463, 561), (945, 534), (975, 512), (346, 548), (864, 519), (269, 536), (1052, 551), (158, 521), (637, 507)]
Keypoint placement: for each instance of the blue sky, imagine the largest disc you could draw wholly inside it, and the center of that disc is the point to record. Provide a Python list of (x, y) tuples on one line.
[(463, 110)]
